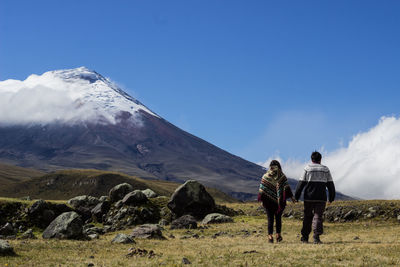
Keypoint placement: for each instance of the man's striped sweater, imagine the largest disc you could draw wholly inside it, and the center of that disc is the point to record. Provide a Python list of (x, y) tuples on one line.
[(315, 179)]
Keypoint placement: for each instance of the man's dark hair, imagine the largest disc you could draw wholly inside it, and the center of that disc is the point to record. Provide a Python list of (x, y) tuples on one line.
[(316, 157), (275, 163)]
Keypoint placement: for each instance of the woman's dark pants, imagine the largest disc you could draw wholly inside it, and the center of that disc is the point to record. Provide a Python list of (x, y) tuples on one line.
[(271, 214)]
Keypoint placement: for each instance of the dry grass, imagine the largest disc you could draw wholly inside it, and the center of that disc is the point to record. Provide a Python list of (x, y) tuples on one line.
[(29, 202), (242, 243)]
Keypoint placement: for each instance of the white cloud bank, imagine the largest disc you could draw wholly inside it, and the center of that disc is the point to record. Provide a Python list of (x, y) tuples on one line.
[(67, 96), (369, 167)]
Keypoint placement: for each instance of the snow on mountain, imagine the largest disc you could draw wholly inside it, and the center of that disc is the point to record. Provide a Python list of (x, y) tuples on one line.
[(69, 96)]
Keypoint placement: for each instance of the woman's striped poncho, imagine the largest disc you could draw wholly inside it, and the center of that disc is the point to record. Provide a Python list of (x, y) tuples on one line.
[(274, 189)]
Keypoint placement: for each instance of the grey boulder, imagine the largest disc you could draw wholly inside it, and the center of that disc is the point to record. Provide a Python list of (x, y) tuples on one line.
[(184, 222), (193, 199), (28, 234), (93, 236), (66, 226), (6, 248), (84, 201), (7, 230), (149, 193), (216, 218), (119, 191), (134, 198), (100, 209), (123, 239), (42, 213), (147, 231)]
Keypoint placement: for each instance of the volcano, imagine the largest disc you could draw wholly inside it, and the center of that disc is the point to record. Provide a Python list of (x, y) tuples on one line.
[(77, 118)]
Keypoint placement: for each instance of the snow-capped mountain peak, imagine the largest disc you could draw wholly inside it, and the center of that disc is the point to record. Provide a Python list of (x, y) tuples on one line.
[(69, 95)]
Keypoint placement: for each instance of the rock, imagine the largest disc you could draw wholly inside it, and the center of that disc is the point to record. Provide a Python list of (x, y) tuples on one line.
[(185, 261), (83, 205), (250, 251), (104, 198), (107, 228), (184, 222), (93, 236), (140, 252), (84, 201), (119, 191), (166, 214), (118, 204), (134, 198), (373, 209), (90, 229), (230, 212), (225, 233), (37, 207), (100, 209), (6, 248), (123, 239), (48, 216), (149, 193), (88, 226), (163, 222), (28, 234), (371, 215), (191, 198), (349, 215), (42, 213), (147, 231), (398, 218), (66, 226), (121, 213), (372, 212), (7, 230), (216, 218)]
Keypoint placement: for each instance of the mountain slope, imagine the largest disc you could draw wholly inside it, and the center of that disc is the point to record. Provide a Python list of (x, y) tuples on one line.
[(156, 150), (10, 174)]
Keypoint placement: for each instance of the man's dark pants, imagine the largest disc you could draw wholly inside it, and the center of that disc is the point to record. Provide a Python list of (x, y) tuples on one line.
[(313, 212)]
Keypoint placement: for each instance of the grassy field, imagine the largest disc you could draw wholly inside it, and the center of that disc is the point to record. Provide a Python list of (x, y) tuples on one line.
[(65, 184), (242, 243)]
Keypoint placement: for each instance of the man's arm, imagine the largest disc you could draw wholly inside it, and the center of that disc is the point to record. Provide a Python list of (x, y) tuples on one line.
[(331, 187), (300, 185)]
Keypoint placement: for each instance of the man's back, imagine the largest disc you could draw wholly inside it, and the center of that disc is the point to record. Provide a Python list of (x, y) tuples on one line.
[(315, 179)]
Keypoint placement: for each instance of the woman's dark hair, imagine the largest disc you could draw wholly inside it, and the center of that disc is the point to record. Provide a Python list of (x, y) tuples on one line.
[(275, 163), (316, 157)]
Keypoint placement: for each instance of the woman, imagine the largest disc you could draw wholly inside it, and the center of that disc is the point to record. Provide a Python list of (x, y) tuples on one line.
[(274, 191)]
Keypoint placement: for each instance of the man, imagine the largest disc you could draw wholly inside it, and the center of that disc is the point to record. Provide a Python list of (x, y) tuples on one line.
[(315, 179)]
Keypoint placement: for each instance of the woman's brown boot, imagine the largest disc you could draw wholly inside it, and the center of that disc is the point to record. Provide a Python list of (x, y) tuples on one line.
[(278, 238), (270, 239)]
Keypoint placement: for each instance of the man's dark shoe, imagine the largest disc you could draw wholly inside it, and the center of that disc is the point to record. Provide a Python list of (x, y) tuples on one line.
[(304, 239), (317, 240)]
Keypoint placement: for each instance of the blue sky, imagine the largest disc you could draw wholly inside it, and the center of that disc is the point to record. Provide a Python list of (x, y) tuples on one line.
[(256, 78)]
